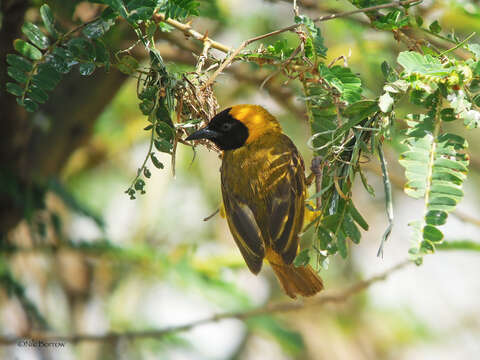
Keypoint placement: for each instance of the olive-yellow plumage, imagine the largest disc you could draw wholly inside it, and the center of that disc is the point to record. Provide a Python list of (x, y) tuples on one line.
[(263, 188)]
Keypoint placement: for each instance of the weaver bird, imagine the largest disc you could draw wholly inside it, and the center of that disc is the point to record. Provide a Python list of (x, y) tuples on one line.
[(263, 189)]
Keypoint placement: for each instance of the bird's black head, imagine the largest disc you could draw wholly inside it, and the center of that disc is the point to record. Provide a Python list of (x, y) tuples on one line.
[(224, 131)]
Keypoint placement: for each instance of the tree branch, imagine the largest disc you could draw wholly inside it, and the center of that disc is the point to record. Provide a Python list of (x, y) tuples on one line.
[(188, 31), (282, 307), (247, 42)]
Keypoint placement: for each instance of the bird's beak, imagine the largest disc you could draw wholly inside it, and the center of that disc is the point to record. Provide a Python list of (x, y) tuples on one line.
[(204, 133)]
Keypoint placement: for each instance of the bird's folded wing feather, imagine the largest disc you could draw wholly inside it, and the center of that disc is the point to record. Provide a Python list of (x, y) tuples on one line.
[(287, 204), (245, 231)]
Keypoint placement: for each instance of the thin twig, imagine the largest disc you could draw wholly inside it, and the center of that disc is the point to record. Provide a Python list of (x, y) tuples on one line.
[(283, 66), (282, 307), (188, 31), (388, 200), (211, 215), (363, 10), (458, 45), (232, 56), (317, 170), (203, 57)]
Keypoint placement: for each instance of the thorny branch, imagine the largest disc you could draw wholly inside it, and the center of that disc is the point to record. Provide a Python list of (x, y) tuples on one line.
[(210, 43), (189, 31), (282, 307), (247, 42)]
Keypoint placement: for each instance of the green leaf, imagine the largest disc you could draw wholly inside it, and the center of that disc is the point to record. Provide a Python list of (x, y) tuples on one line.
[(151, 28), (28, 104), (141, 14), (147, 173), (347, 83), (342, 244), (164, 131), (413, 62), (47, 77), (14, 89), (448, 114), (324, 237), (476, 71), (357, 216), (476, 100), (19, 62), (164, 27), (419, 21), (17, 74), (146, 106), (351, 229), (27, 50), (303, 258), (35, 35), (97, 29), (81, 48), (315, 34), (128, 65), (436, 217), (37, 94), (67, 57), (427, 247), (435, 27), (58, 63), (118, 6), (102, 54), (388, 72), (179, 9), (394, 20), (361, 110), (163, 145), (86, 69), (155, 161), (139, 185), (331, 222), (432, 234), (48, 20), (108, 14), (459, 245)]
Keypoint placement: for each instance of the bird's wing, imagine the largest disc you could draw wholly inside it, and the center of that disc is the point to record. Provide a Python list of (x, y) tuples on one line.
[(244, 229), (286, 201), (264, 197)]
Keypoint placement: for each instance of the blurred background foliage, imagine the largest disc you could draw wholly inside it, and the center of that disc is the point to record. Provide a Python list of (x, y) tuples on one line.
[(77, 256)]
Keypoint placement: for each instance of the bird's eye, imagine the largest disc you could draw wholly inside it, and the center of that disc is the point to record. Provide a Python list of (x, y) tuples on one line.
[(226, 126)]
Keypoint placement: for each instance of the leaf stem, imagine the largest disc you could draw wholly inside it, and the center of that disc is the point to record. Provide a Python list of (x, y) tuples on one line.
[(458, 45), (388, 199)]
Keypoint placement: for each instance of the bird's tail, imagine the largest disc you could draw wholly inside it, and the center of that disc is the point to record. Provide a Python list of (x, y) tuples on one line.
[(301, 280)]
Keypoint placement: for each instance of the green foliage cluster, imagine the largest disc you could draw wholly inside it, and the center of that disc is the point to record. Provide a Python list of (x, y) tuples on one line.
[(345, 125), (46, 57), (435, 161)]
